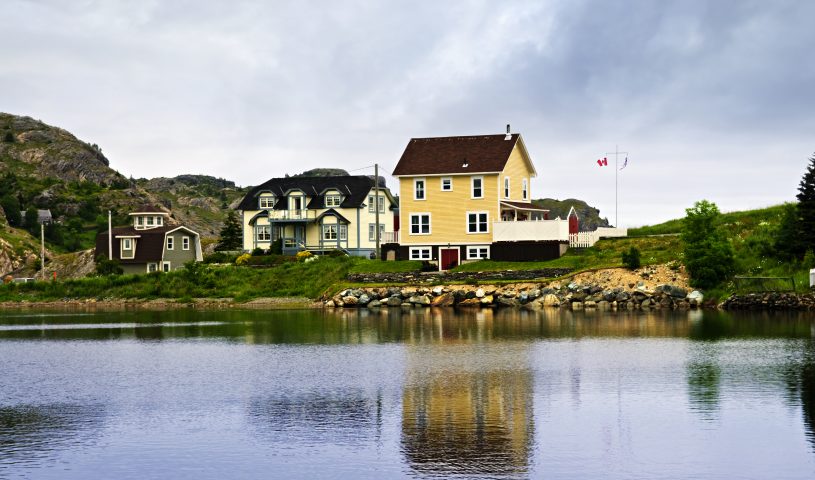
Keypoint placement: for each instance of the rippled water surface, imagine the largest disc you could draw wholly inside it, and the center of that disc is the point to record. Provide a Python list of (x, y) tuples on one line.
[(417, 394)]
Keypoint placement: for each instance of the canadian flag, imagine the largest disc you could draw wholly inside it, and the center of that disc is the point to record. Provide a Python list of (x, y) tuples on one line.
[(603, 162)]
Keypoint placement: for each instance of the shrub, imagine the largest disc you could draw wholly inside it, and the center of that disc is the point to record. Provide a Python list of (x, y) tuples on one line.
[(107, 267), (304, 255), (809, 260), (243, 259), (277, 247), (8, 137), (708, 253), (631, 258), (258, 252)]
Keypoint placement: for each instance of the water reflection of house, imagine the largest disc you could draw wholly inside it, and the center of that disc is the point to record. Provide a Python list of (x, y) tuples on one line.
[(465, 413)]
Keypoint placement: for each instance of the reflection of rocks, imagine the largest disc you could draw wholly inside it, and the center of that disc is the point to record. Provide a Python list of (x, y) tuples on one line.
[(770, 301), (317, 418), (29, 432)]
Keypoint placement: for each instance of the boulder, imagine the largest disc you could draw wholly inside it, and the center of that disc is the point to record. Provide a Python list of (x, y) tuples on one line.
[(350, 301), (480, 293), (487, 300), (394, 301), (645, 303), (507, 302), (589, 304), (419, 300), (444, 300), (363, 299), (470, 302), (603, 305), (697, 296), (330, 304), (374, 304), (438, 291), (551, 300)]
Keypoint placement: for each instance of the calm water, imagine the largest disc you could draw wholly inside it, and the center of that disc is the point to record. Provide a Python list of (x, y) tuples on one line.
[(420, 394)]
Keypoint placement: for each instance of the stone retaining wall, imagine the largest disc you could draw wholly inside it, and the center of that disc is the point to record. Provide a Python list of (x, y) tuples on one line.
[(443, 277)]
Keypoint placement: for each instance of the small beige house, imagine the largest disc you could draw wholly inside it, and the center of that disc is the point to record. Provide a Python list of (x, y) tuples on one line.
[(150, 244)]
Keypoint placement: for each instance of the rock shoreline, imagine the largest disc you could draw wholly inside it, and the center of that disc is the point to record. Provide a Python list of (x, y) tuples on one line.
[(161, 304), (520, 295), (770, 301)]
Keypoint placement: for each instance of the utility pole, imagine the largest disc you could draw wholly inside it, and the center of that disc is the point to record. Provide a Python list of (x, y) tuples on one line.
[(616, 154), (110, 236), (376, 206), (42, 250)]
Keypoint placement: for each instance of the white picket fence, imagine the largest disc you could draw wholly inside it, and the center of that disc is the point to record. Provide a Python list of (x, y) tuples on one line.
[(588, 239)]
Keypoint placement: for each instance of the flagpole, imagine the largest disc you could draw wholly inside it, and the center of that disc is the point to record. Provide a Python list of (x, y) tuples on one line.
[(616, 153)]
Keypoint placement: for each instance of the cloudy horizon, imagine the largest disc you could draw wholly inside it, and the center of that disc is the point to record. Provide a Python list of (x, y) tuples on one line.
[(711, 99)]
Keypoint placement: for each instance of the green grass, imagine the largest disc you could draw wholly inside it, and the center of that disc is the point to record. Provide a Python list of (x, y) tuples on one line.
[(378, 266), (734, 222)]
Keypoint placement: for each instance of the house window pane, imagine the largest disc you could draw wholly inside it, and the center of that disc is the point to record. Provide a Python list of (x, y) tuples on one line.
[(420, 224), (185, 243), (506, 187), (372, 232), (329, 232), (525, 189), (169, 243), (447, 184), (420, 253), (418, 189), (478, 190), (332, 200), (477, 223), (343, 232), (263, 234)]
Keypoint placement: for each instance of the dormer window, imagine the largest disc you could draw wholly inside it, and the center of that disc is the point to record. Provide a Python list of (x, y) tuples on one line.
[(139, 222), (266, 202), (333, 200), (149, 221), (159, 221)]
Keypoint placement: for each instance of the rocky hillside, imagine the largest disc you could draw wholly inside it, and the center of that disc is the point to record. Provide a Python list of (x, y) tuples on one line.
[(589, 216), (46, 167)]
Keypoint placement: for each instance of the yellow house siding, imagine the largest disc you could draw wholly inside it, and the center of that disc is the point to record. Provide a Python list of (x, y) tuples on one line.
[(448, 210), (516, 169)]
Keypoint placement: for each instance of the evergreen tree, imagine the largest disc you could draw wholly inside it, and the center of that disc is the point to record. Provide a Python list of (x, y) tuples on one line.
[(231, 234), (11, 206), (806, 209), (708, 253), (788, 243)]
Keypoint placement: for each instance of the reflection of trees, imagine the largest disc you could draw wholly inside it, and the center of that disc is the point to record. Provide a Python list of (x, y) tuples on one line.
[(29, 433), (800, 378), (317, 417)]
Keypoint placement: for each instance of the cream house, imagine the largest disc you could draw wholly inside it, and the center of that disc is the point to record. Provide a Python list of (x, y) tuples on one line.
[(469, 198), (319, 214)]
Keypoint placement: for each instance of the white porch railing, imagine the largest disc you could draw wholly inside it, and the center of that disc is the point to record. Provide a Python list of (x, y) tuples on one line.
[(530, 230), (389, 237), (292, 214)]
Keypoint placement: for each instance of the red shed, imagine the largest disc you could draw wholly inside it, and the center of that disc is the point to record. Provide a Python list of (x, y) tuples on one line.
[(574, 222)]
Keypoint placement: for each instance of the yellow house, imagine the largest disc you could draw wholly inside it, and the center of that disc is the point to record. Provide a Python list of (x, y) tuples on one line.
[(469, 198), (318, 214)]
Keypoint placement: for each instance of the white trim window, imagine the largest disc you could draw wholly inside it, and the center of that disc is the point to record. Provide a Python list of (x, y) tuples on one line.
[(507, 191), (420, 224), (263, 233), (170, 243), (165, 266), (333, 200), (139, 221), (343, 232), (185, 243), (525, 188), (371, 208), (478, 252), (152, 267), (420, 253), (446, 184), (266, 202), (127, 244), (419, 190), (478, 222), (149, 221), (159, 221), (477, 184), (330, 232), (372, 231)]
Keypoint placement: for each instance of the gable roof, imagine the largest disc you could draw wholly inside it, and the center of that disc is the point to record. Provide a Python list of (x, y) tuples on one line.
[(440, 155), (149, 248), (353, 188)]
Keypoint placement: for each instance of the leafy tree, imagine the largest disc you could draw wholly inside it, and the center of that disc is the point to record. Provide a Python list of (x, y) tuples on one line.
[(11, 206), (107, 267), (708, 253), (806, 208), (631, 258), (231, 234), (32, 220)]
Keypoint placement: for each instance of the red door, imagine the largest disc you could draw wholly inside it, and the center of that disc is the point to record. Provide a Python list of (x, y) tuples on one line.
[(449, 258)]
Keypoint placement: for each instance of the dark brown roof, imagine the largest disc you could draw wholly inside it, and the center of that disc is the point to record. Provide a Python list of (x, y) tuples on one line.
[(437, 156), (354, 189), (149, 246), (523, 206), (146, 208)]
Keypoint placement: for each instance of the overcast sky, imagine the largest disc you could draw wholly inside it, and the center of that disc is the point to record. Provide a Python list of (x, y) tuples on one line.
[(712, 99)]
